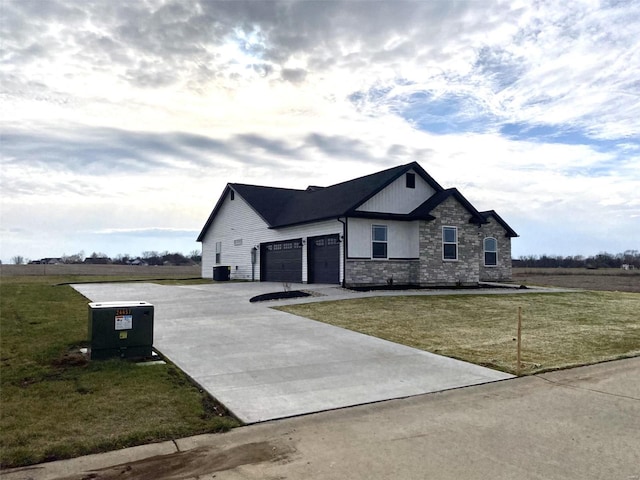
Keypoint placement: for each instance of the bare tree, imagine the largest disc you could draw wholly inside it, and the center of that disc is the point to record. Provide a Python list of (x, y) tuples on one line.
[(195, 256), (18, 260), (75, 258)]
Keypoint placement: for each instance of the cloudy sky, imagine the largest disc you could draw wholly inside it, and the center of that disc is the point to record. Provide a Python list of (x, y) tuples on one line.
[(123, 120)]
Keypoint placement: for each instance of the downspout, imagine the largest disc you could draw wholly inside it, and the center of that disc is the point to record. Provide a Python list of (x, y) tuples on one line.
[(344, 250)]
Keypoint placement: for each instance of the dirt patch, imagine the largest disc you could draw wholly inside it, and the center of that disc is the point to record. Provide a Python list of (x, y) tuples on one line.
[(190, 464), (71, 359)]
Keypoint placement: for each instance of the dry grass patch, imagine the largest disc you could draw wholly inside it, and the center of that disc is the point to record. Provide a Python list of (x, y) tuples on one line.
[(559, 330), (603, 279)]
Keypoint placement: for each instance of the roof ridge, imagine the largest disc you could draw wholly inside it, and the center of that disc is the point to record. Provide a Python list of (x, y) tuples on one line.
[(265, 186), (386, 170)]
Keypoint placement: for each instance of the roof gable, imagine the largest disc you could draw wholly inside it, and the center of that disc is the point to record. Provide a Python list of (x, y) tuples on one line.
[(213, 214), (424, 210), (401, 196)]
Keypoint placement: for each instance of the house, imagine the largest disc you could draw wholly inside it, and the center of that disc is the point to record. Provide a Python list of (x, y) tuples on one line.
[(397, 226), (50, 261), (97, 260)]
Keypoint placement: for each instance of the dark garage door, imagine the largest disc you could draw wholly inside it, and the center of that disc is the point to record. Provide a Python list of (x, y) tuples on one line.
[(324, 259), (281, 261)]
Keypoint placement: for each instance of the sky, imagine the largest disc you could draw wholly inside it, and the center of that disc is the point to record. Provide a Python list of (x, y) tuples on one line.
[(122, 121)]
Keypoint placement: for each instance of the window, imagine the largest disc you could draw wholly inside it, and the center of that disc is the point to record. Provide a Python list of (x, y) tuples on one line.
[(490, 252), (411, 180), (379, 241), (218, 252), (450, 243)]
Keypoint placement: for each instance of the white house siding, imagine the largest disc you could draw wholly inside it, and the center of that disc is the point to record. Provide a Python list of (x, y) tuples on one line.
[(397, 198), (236, 222), (502, 271), (402, 238)]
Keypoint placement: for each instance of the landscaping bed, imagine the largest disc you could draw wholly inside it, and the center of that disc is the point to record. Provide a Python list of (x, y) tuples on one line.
[(279, 296)]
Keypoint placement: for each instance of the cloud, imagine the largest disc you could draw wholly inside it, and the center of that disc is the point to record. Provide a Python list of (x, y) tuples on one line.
[(139, 112), (544, 65), (294, 75), (154, 232), (340, 146), (96, 151)]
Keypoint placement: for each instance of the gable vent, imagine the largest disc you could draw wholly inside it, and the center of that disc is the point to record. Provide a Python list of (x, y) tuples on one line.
[(411, 180)]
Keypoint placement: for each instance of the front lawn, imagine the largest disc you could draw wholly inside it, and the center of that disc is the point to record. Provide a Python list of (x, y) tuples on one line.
[(559, 330)]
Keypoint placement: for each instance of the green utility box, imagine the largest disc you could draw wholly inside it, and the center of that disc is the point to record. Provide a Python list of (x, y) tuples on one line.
[(120, 330)]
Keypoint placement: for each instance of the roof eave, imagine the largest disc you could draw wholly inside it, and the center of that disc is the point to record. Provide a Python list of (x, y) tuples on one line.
[(510, 232), (408, 217)]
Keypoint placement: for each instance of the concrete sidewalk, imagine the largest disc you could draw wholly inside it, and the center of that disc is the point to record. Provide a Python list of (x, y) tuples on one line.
[(582, 424), (264, 364)]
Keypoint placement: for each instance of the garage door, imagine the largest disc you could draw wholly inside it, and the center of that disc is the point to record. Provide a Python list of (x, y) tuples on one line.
[(281, 261), (324, 259)]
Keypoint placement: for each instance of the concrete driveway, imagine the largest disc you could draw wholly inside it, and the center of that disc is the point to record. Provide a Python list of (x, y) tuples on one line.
[(263, 364)]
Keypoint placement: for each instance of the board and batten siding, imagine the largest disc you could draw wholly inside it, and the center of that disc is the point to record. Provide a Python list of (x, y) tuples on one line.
[(397, 198), (240, 228), (402, 238)]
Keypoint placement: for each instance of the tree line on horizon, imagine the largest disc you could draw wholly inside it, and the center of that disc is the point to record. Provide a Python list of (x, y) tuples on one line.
[(601, 260), (151, 257)]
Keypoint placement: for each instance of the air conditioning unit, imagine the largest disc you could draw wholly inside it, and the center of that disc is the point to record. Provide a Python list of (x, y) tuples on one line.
[(120, 330)]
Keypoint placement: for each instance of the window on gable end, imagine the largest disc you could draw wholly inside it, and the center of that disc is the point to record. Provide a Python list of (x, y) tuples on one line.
[(379, 241), (490, 252), (450, 243), (411, 180), (218, 252)]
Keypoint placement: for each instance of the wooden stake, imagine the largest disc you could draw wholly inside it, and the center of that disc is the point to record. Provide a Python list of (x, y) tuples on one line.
[(519, 340)]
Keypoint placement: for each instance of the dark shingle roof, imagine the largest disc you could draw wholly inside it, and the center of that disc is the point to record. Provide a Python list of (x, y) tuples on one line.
[(281, 207), (492, 213)]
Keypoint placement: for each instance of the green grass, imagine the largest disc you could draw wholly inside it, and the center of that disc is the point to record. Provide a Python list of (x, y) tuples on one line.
[(56, 405), (559, 330)]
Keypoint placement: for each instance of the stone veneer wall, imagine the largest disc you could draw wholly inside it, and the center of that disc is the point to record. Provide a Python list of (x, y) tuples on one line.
[(367, 272), (430, 269), (502, 271), (433, 269)]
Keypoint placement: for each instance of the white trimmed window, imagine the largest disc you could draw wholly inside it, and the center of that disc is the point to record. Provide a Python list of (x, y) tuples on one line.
[(379, 241), (218, 252), (490, 252), (450, 243)]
